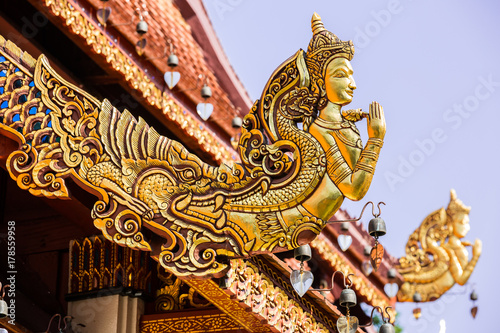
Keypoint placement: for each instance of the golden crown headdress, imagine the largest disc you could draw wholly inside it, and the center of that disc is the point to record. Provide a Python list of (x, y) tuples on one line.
[(325, 46), (456, 205)]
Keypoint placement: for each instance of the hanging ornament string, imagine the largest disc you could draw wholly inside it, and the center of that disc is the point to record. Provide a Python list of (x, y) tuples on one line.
[(362, 211)]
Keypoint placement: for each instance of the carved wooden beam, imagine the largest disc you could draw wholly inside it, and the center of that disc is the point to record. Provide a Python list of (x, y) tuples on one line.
[(261, 299), (203, 320), (231, 307)]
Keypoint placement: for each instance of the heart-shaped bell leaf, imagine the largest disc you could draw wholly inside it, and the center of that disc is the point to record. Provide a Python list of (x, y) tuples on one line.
[(204, 110), (391, 289), (140, 46), (344, 241), (234, 142), (347, 324), (417, 312), (171, 79), (141, 43), (473, 312), (376, 255), (301, 281), (103, 15), (366, 267)]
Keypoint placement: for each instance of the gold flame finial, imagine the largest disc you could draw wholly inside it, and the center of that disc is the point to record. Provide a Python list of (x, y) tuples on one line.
[(456, 206), (323, 47), (316, 24)]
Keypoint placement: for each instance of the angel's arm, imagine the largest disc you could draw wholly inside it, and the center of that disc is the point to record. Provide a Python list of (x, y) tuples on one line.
[(355, 184), (460, 274)]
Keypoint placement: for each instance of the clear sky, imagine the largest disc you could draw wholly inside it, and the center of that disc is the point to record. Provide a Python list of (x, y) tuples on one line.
[(435, 68)]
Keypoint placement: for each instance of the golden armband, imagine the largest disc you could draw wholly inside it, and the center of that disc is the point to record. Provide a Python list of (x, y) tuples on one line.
[(337, 167), (472, 264), (376, 142), (369, 156)]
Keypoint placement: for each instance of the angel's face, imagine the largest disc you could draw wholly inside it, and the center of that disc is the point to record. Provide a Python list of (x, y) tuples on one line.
[(339, 82), (461, 226)]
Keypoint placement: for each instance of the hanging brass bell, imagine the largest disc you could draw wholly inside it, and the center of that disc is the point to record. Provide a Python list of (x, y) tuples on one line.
[(344, 226), (417, 297), (391, 273), (237, 122), (142, 27), (473, 296), (303, 253), (172, 60), (347, 298), (206, 92), (4, 309), (376, 227), (386, 328)]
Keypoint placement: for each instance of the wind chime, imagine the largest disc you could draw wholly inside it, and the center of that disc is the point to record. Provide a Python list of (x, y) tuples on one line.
[(348, 323), (376, 229), (302, 279), (473, 298)]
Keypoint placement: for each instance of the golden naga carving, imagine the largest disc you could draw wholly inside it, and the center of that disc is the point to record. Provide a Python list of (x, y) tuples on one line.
[(301, 155), (436, 256), (174, 294)]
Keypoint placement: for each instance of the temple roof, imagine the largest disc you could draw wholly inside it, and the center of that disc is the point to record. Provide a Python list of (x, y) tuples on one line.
[(113, 48), (187, 25)]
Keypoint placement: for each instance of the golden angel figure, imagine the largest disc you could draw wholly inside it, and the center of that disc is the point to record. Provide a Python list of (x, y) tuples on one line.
[(301, 155), (436, 256)]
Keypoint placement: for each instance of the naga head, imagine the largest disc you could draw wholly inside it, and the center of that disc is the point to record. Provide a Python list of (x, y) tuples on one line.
[(328, 61), (458, 216)]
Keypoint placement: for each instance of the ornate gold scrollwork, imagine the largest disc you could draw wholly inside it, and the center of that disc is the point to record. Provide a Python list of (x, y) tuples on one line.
[(176, 295), (277, 199), (120, 226)]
